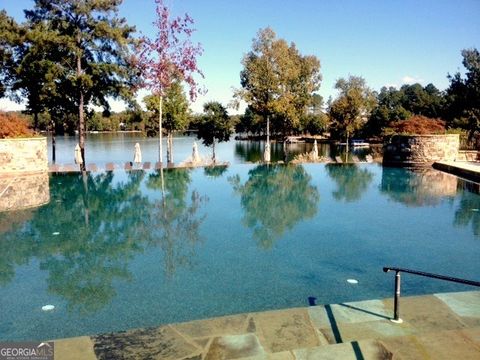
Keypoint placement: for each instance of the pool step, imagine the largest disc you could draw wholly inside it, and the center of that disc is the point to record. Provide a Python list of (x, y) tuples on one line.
[(435, 326)]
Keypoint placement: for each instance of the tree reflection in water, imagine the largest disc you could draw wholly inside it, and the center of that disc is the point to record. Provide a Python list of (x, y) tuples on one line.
[(84, 237), (274, 199), (429, 187), (94, 226), (418, 187), (174, 224), (215, 171), (252, 151), (352, 181), (468, 212)]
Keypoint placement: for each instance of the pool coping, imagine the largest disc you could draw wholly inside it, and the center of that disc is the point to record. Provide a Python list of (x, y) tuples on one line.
[(443, 325), (130, 166), (469, 170)]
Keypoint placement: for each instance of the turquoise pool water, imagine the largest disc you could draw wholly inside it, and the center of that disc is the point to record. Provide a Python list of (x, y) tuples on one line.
[(114, 251)]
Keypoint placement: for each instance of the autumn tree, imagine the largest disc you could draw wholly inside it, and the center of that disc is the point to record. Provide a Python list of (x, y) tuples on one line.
[(214, 126), (175, 113), (13, 126), (352, 107), (277, 81), (95, 47), (168, 57)]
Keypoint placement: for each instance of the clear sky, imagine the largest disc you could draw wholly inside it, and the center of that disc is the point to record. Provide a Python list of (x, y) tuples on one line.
[(388, 42)]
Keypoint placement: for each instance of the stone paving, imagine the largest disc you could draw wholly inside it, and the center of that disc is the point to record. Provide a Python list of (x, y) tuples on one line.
[(440, 326)]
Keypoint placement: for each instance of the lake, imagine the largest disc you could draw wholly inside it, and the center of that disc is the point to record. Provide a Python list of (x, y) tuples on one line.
[(118, 148)]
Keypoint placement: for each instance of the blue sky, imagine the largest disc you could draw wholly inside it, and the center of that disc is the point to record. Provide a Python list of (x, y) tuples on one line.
[(387, 42)]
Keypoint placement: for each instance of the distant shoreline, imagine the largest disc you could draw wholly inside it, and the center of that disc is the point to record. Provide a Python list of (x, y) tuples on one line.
[(113, 132)]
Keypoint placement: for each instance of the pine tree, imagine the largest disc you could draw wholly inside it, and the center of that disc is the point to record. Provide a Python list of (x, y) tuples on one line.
[(94, 47)]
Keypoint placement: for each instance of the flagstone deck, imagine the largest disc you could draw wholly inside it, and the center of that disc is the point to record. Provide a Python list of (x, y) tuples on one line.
[(440, 326)]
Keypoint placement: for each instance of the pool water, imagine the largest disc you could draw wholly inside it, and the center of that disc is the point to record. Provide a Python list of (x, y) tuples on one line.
[(113, 251)]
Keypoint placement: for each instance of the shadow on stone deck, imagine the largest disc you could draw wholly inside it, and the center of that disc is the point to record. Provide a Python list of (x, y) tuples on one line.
[(441, 326)]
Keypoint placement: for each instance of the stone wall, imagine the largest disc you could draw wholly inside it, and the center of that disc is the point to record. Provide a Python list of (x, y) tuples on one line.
[(24, 155), (24, 191), (420, 150), (468, 155)]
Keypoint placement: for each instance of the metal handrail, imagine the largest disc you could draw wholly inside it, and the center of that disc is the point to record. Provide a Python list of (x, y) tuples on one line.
[(396, 304)]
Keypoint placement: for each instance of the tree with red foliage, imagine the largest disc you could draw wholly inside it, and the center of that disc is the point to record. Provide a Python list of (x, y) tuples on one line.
[(169, 57), (419, 125), (13, 126)]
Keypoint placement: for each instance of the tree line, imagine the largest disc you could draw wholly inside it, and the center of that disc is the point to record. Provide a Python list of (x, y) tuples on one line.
[(69, 56), (288, 105)]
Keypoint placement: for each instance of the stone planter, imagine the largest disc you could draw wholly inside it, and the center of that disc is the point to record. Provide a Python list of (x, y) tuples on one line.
[(420, 150), (23, 155)]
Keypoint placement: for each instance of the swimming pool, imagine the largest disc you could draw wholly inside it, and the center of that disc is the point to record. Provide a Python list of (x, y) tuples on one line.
[(118, 250)]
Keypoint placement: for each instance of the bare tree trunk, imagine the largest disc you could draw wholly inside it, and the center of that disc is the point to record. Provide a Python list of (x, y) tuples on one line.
[(54, 130), (170, 147), (81, 120), (214, 159), (268, 129), (35, 121), (160, 147), (81, 131), (346, 148), (267, 152), (163, 187), (285, 149), (285, 142), (85, 198)]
